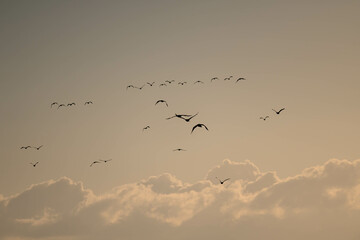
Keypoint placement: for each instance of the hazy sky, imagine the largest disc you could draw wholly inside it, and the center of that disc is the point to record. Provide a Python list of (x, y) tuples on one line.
[(301, 55)]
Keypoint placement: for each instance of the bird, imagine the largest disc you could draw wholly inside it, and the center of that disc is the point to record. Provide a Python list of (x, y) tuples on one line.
[(54, 103), (105, 161), (199, 125), (239, 79), (129, 86), (179, 149), (198, 82), (140, 87), (150, 84), (94, 162), (147, 127), (226, 79), (161, 101), (278, 112), (34, 164), (178, 115), (222, 182), (214, 78), (182, 83), (170, 81), (61, 105), (38, 148), (264, 118), (70, 104), (162, 85), (87, 103), (188, 119), (25, 147)]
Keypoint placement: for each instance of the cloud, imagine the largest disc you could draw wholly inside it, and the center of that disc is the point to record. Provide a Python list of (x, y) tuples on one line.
[(322, 202)]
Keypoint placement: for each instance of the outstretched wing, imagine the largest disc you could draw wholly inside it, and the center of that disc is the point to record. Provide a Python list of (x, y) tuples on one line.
[(205, 127), (281, 110), (197, 125), (226, 180)]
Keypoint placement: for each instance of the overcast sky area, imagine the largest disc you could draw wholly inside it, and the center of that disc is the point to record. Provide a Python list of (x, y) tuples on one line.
[(293, 176)]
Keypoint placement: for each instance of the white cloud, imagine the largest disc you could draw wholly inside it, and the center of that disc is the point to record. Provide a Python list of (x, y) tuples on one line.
[(322, 202)]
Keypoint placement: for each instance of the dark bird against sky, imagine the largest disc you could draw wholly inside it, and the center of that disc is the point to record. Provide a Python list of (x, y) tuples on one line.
[(199, 125), (34, 164), (222, 182), (264, 118), (188, 119), (278, 112), (87, 103), (161, 101), (38, 148)]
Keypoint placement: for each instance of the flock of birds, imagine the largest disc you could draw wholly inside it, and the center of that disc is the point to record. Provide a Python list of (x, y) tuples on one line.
[(185, 117)]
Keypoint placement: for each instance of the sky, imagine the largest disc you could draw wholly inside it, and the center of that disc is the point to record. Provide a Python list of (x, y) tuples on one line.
[(288, 173)]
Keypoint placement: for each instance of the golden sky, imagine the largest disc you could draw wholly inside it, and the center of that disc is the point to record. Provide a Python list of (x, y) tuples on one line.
[(300, 55)]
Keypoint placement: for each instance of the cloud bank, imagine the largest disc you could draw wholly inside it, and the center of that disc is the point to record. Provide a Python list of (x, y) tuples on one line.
[(322, 202)]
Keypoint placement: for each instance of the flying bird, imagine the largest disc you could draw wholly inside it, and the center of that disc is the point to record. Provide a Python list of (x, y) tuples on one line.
[(161, 101), (87, 103), (54, 103), (182, 83), (179, 149), (61, 105), (70, 104), (278, 112), (239, 79), (171, 81), (162, 85), (140, 87), (150, 84), (228, 78), (25, 147), (178, 115), (198, 82), (199, 125), (34, 164), (38, 148), (147, 127), (129, 86), (188, 119), (94, 162), (105, 161), (264, 118), (214, 78), (222, 182)]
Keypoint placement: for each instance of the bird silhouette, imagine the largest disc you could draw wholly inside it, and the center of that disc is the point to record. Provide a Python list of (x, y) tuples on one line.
[(199, 125), (182, 83), (38, 148), (278, 112), (34, 164), (94, 162), (61, 105), (214, 78), (179, 149), (264, 118), (130, 86), (188, 119), (198, 82), (54, 103), (150, 84), (87, 103), (25, 147), (147, 127), (178, 116), (71, 104), (222, 182), (105, 161), (170, 81), (140, 88), (162, 85), (239, 79), (161, 101)]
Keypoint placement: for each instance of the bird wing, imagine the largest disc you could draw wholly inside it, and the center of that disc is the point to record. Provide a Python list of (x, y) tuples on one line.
[(226, 180), (157, 101), (281, 110), (274, 110), (170, 117), (166, 103), (197, 125), (205, 127)]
